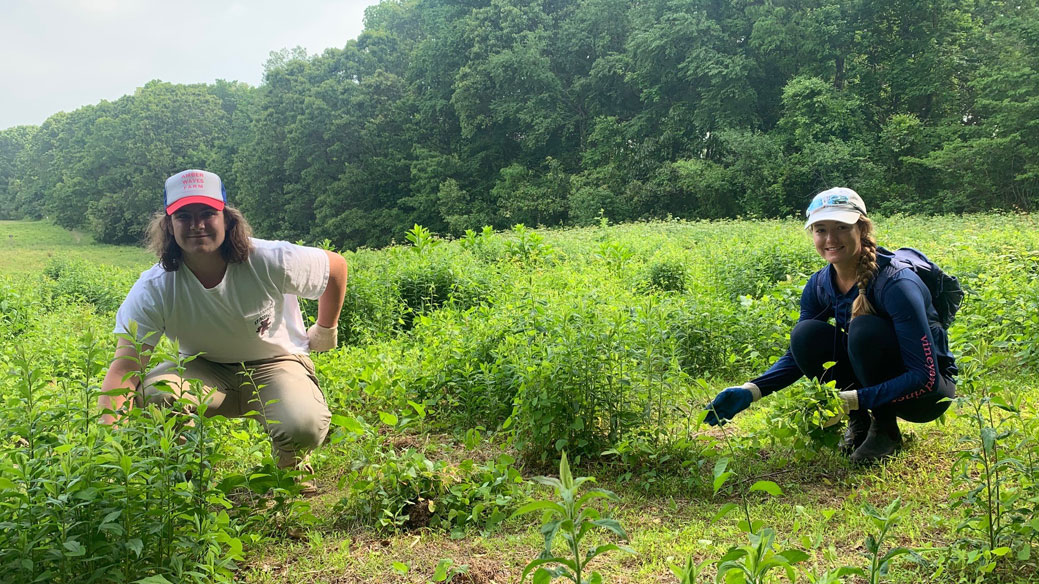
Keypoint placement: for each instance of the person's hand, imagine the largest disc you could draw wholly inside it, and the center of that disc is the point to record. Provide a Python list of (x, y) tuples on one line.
[(849, 403), (728, 403), (322, 338)]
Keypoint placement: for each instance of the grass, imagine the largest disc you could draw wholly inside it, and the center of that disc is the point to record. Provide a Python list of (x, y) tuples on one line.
[(820, 511), (665, 527), (27, 246)]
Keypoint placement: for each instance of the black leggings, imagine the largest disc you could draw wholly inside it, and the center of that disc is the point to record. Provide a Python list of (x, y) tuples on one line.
[(867, 355)]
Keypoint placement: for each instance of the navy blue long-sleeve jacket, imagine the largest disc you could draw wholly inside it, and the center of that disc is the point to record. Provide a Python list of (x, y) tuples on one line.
[(906, 301)]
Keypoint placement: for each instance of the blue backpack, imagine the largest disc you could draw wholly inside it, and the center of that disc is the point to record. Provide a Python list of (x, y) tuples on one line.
[(946, 292)]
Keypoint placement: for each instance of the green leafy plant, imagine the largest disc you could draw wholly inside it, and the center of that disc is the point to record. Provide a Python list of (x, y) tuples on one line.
[(421, 238), (83, 502), (752, 563), (997, 481), (570, 518), (526, 245), (101, 287), (483, 245), (804, 415), (406, 490), (688, 573), (667, 276), (879, 560), (447, 569), (615, 254)]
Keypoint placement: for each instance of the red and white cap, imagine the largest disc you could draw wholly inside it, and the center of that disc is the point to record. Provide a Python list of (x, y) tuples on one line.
[(194, 186)]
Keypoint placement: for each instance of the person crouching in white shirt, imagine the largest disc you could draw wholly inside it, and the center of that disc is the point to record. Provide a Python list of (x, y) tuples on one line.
[(233, 300)]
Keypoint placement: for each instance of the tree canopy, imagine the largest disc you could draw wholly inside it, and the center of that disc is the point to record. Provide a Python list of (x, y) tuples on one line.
[(455, 114)]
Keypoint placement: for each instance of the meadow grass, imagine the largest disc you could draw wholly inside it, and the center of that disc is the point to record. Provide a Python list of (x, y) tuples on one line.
[(569, 309), (27, 246)]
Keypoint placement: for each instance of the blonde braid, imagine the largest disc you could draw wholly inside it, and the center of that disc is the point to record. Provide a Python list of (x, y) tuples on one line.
[(866, 269)]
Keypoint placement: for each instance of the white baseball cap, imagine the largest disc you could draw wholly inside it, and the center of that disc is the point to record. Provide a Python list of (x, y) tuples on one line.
[(837, 204), (194, 186)]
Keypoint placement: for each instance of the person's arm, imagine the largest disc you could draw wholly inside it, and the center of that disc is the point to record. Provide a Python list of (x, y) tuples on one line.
[(785, 371), (330, 304), (123, 373), (733, 400), (903, 299), (323, 334)]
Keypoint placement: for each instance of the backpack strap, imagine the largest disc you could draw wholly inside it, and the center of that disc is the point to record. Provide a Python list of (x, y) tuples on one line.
[(888, 264)]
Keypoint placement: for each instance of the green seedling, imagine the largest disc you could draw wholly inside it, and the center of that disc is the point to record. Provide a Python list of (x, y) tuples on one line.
[(571, 518), (688, 573), (752, 563), (884, 520)]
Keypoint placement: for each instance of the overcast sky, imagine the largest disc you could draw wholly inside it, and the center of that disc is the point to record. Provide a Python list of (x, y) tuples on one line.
[(58, 55)]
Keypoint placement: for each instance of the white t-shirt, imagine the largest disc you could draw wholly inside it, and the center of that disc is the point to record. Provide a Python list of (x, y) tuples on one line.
[(252, 314)]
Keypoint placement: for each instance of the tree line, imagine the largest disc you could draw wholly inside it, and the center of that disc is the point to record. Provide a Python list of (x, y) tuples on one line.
[(455, 114)]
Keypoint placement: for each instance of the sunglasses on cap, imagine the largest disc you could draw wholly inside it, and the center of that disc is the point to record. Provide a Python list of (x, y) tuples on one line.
[(835, 200)]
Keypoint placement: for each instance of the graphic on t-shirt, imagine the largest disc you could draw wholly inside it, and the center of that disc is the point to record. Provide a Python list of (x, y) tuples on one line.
[(262, 321)]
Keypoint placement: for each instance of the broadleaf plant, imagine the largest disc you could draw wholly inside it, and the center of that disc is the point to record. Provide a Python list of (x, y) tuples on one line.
[(571, 518)]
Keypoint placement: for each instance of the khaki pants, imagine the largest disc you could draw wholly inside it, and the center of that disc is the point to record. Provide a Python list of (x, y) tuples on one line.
[(289, 404)]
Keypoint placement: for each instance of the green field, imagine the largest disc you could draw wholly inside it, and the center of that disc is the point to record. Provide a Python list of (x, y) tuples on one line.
[(27, 246), (468, 366)]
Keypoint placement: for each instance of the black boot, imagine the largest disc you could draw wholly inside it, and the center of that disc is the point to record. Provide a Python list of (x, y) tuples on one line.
[(855, 433), (882, 441)]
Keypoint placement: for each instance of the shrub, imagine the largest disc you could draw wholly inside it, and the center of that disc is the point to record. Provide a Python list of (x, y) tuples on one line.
[(527, 246), (462, 372), (754, 269), (701, 328), (588, 374), (667, 276), (370, 309), (423, 289), (101, 286), (407, 490), (19, 307), (82, 503)]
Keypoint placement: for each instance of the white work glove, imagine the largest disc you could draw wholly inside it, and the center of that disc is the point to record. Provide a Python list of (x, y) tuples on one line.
[(849, 403), (322, 338)]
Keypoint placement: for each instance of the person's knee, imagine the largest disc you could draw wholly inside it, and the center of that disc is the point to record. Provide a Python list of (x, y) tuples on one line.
[(809, 330), (301, 429), (812, 344), (867, 329)]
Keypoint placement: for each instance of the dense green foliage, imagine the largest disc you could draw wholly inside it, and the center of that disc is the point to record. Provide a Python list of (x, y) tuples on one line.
[(101, 167), (80, 503), (601, 342), (455, 115)]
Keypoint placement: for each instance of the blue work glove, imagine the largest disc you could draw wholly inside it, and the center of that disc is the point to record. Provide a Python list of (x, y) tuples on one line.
[(731, 401)]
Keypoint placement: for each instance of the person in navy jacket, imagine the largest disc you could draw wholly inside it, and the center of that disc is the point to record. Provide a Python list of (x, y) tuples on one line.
[(890, 349)]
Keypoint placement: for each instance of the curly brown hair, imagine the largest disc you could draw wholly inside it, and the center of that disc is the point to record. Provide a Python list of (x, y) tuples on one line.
[(235, 248), (867, 268)]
